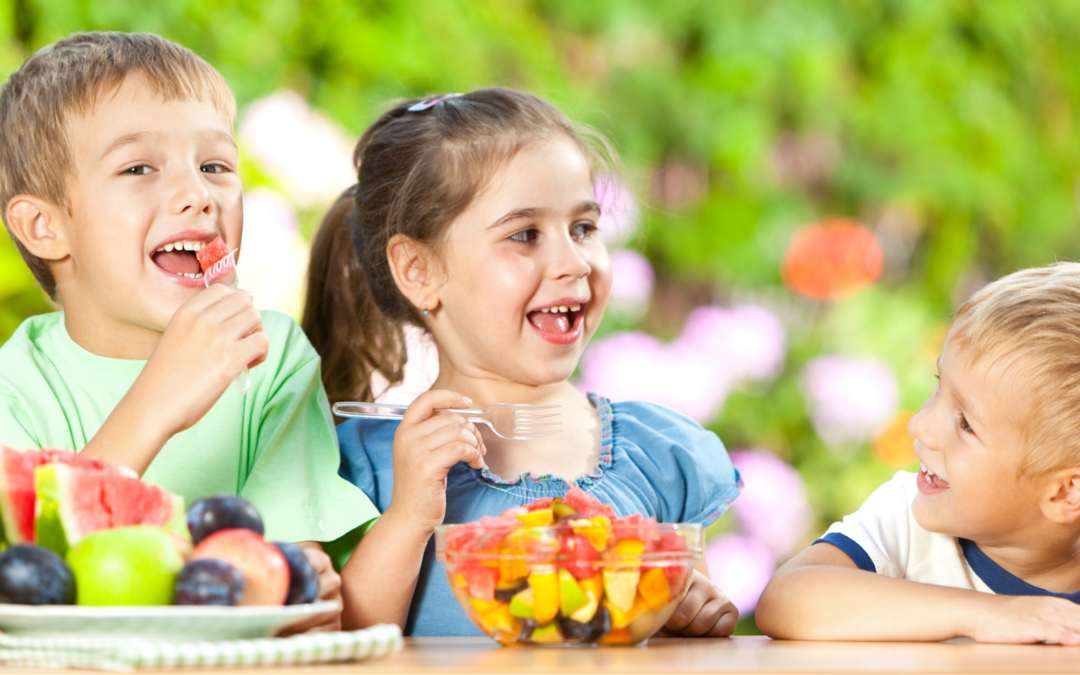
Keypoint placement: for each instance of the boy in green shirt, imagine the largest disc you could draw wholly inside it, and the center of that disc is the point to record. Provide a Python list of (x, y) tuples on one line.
[(117, 164)]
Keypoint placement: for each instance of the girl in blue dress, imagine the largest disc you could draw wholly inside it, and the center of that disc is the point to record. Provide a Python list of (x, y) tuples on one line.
[(474, 219)]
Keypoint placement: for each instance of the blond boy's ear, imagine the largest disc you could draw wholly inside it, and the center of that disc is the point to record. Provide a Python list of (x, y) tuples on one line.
[(1062, 501), (416, 272), (37, 225)]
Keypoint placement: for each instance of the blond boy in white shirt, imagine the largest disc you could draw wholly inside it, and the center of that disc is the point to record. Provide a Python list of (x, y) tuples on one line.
[(984, 541)]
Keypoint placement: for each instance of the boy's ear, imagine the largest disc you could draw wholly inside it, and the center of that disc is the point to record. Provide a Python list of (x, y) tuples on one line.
[(1062, 501), (415, 271), (38, 225)]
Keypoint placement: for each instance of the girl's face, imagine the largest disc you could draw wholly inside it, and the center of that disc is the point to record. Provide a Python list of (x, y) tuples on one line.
[(526, 277)]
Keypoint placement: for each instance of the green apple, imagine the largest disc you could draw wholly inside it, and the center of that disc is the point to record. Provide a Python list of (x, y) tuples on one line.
[(521, 605), (570, 593), (125, 566)]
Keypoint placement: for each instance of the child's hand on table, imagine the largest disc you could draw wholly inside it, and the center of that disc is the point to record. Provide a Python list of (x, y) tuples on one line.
[(426, 446), (1025, 620), (209, 341), (704, 612)]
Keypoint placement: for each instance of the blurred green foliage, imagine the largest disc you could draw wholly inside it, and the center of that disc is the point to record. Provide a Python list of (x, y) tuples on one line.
[(946, 126)]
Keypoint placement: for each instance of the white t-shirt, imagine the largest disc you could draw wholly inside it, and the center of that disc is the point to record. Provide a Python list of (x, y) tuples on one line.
[(883, 537)]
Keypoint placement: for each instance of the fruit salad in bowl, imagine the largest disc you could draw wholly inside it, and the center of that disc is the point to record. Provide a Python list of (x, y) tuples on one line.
[(563, 571)]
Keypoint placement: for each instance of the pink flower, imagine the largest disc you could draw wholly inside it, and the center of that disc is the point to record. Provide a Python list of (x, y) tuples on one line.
[(850, 398), (741, 566), (421, 370), (772, 507), (619, 210), (746, 342), (632, 282), (634, 366)]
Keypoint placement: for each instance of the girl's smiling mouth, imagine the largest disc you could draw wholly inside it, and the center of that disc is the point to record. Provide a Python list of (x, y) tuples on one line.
[(559, 323)]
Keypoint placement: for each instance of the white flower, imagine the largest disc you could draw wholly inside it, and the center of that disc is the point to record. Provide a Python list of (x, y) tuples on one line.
[(632, 280), (299, 147), (273, 255)]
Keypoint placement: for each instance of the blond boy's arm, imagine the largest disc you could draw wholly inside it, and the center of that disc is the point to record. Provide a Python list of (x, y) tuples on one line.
[(820, 594)]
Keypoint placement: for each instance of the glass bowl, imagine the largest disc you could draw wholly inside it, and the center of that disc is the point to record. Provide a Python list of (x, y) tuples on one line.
[(588, 581)]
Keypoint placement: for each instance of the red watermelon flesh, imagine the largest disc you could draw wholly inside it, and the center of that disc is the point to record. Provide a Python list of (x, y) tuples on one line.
[(75, 501), (637, 527), (211, 253), (579, 556), (17, 491), (585, 504), (542, 503)]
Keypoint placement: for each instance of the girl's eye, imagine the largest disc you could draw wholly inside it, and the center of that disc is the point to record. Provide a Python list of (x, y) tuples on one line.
[(583, 229), (137, 170), (214, 168), (964, 424), (525, 236)]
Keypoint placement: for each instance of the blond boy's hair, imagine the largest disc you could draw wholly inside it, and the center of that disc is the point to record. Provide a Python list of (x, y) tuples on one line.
[(1033, 317), (66, 80)]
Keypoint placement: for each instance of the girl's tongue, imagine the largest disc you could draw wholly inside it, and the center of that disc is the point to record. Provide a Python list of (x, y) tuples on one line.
[(552, 322)]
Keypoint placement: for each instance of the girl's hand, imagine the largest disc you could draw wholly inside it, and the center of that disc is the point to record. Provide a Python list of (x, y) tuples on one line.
[(426, 446), (705, 611)]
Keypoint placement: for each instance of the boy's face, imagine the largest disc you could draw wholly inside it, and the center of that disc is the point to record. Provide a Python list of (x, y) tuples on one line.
[(968, 438), (148, 174)]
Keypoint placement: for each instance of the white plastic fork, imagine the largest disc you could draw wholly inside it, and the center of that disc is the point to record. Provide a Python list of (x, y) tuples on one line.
[(513, 421)]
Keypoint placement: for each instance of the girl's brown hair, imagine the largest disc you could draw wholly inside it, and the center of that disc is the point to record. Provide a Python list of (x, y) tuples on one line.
[(418, 171)]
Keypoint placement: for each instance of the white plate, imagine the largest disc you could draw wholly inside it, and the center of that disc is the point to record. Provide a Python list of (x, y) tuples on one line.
[(174, 623)]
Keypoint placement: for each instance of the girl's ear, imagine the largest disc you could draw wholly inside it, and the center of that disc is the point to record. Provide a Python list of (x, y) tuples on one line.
[(39, 226), (415, 271), (1061, 502)]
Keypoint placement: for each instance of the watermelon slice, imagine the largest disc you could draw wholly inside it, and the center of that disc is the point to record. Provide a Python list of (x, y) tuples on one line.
[(75, 501), (587, 505), (17, 493), (211, 253)]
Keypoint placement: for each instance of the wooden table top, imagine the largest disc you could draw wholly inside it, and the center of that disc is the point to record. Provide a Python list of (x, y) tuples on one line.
[(686, 655)]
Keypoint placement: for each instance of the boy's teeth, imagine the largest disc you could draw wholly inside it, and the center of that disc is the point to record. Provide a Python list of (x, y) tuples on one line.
[(575, 308), (194, 246)]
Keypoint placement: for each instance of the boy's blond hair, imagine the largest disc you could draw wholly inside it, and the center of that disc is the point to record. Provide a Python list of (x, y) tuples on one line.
[(1033, 316), (67, 79)]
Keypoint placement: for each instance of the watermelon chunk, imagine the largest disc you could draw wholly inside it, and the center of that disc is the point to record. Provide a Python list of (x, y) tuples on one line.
[(212, 253), (75, 501), (587, 505), (17, 492)]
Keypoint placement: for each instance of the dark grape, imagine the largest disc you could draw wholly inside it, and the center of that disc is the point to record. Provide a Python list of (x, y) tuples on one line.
[(32, 575), (507, 594), (223, 512), (209, 582), (596, 628), (303, 579)]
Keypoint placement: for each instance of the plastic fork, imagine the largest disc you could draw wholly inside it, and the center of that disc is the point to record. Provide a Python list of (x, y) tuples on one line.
[(224, 272), (513, 421)]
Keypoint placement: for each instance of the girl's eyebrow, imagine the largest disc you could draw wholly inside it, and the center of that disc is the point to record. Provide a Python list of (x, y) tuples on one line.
[(540, 211)]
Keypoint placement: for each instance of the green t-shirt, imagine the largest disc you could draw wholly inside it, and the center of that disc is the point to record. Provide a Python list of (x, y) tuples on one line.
[(275, 446)]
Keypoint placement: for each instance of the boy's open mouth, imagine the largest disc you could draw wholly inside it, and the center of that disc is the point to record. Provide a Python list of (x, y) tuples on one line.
[(560, 324), (178, 258), (929, 483)]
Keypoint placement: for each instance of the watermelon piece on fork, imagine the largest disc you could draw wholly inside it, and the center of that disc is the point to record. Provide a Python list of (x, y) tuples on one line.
[(212, 253)]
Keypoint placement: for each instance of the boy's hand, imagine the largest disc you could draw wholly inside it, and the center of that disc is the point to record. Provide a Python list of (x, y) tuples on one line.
[(705, 611), (1027, 619), (329, 589), (206, 346), (426, 446)]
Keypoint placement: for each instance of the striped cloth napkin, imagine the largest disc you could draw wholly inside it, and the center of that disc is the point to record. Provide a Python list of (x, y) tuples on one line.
[(127, 654)]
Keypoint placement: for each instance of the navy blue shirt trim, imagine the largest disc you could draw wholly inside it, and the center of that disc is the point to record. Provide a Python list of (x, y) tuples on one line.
[(846, 544), (1000, 581)]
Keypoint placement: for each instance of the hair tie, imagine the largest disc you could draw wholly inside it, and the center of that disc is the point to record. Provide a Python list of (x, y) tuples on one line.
[(430, 102)]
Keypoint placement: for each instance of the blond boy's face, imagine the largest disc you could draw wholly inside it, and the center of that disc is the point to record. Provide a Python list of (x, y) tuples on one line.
[(968, 438), (149, 174)]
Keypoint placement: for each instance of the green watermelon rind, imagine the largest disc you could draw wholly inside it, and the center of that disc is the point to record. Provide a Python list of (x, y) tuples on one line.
[(48, 522)]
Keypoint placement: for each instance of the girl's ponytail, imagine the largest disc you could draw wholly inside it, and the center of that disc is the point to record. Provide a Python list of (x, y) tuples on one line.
[(340, 316)]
